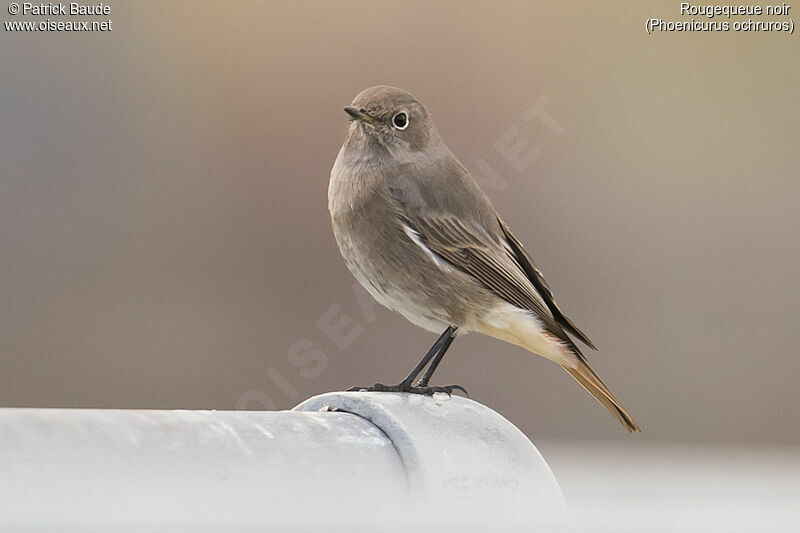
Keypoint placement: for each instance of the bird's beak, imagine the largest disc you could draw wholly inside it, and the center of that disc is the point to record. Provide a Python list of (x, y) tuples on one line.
[(358, 114)]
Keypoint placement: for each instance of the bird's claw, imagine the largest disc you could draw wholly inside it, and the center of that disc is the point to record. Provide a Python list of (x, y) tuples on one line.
[(447, 389), (410, 389)]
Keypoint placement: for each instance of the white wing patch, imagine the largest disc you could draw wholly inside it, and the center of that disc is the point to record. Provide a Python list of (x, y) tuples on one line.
[(438, 261)]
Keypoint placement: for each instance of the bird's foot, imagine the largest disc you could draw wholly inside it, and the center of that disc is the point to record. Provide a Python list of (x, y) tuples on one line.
[(402, 387)]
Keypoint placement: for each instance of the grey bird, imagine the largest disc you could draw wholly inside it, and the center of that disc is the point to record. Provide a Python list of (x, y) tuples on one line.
[(418, 233)]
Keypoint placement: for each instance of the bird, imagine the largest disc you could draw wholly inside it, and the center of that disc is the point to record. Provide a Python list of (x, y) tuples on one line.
[(418, 233)]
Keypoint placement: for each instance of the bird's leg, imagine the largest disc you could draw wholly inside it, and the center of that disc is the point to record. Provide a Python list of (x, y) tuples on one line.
[(423, 382), (407, 385), (440, 346)]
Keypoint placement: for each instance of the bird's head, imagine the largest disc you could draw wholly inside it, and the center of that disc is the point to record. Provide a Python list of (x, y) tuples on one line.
[(391, 118)]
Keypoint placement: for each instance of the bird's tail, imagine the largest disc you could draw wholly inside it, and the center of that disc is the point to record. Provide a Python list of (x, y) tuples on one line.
[(590, 381)]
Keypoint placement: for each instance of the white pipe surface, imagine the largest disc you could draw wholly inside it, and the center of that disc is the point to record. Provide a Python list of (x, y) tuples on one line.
[(335, 462)]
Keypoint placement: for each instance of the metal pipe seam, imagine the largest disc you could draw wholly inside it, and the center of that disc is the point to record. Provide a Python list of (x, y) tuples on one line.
[(456, 450)]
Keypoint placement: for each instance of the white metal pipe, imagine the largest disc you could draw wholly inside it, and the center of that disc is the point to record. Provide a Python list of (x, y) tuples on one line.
[(335, 461)]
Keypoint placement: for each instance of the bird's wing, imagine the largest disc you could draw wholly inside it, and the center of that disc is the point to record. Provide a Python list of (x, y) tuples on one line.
[(455, 221), (535, 276), (475, 251)]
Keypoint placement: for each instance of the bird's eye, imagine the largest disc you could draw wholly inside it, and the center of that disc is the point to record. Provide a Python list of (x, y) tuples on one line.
[(400, 121)]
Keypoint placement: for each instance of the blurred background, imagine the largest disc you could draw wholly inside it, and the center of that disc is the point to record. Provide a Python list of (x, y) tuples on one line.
[(165, 240)]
